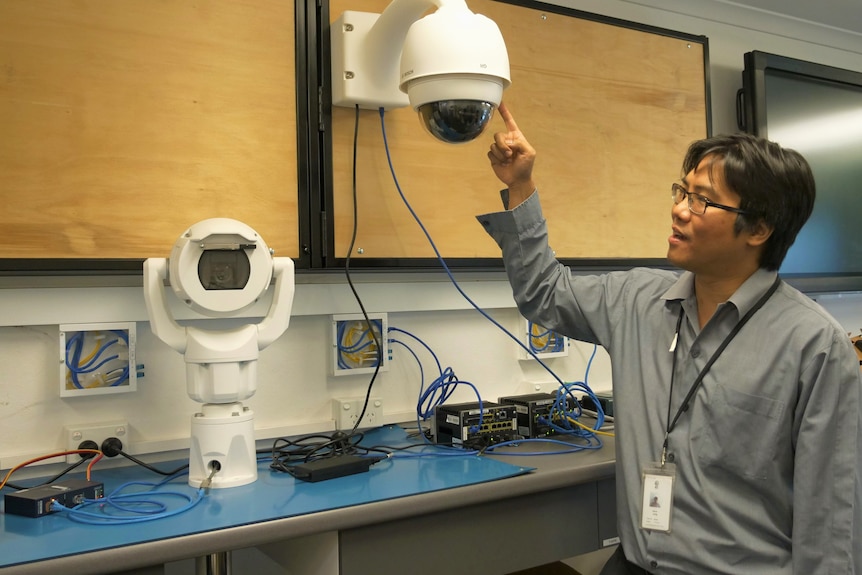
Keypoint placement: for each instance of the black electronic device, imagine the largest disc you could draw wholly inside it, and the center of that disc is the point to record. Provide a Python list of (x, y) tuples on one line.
[(606, 402), (534, 412), (332, 467), (468, 425), (39, 501)]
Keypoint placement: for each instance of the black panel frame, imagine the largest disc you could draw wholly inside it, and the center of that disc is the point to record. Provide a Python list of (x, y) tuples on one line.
[(332, 260)]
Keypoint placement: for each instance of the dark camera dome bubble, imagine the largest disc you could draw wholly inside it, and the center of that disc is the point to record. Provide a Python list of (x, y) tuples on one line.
[(456, 121)]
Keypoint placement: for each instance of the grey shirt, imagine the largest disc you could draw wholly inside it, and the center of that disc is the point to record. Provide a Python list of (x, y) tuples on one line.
[(769, 453)]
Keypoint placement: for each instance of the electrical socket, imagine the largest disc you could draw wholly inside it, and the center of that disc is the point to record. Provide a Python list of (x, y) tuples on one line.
[(537, 387), (346, 410), (97, 432)]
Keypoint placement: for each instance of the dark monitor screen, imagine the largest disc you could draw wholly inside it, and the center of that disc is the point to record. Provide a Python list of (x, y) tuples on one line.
[(816, 110), (822, 121)]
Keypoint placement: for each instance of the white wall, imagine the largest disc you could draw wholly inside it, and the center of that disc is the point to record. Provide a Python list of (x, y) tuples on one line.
[(295, 383), (295, 387)]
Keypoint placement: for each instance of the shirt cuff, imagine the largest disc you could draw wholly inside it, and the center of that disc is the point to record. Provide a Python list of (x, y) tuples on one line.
[(523, 216)]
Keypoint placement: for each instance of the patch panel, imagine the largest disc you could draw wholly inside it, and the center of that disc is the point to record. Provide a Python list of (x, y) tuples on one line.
[(97, 358), (359, 344), (542, 342)]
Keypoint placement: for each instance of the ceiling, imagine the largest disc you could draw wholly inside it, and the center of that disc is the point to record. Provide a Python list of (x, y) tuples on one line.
[(842, 14)]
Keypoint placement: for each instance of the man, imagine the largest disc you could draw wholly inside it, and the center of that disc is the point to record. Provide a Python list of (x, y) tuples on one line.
[(737, 397)]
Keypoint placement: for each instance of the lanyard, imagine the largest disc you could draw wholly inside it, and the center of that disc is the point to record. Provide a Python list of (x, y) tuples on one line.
[(684, 407)]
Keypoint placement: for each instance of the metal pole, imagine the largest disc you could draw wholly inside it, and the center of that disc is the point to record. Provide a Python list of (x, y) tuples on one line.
[(213, 564)]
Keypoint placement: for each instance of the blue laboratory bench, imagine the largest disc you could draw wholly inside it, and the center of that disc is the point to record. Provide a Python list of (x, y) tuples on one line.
[(492, 514)]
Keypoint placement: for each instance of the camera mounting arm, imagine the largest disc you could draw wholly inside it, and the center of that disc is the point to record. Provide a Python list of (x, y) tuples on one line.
[(366, 52), (162, 322), (277, 320), (451, 42)]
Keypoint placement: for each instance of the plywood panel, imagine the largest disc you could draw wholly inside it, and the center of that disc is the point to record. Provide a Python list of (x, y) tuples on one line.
[(610, 109), (123, 122)]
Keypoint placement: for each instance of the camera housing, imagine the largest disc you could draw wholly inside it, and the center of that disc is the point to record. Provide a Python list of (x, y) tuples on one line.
[(452, 67), (220, 267), (456, 86)]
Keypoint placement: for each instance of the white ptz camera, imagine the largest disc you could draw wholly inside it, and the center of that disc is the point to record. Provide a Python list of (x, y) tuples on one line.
[(220, 267), (453, 64)]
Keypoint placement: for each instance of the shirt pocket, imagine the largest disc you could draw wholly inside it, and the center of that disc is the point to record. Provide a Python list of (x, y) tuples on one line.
[(740, 433)]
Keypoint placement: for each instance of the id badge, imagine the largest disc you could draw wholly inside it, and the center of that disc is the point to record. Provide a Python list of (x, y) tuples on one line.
[(657, 484)]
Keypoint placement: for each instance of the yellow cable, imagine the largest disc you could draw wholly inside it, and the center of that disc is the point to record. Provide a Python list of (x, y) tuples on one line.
[(92, 354), (352, 340), (596, 431)]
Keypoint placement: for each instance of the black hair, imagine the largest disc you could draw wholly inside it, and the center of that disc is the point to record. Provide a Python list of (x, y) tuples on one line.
[(775, 185)]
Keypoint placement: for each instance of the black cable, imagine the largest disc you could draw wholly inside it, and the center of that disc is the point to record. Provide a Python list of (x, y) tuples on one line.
[(287, 452), (113, 447), (374, 335), (72, 467), (151, 468)]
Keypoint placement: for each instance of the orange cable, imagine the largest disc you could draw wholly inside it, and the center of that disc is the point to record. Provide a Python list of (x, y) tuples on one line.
[(51, 456)]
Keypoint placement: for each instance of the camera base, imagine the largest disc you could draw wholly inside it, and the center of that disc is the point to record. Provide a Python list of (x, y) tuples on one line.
[(222, 438)]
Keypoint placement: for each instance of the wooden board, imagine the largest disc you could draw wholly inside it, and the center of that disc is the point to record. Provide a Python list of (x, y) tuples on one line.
[(124, 122), (610, 109)]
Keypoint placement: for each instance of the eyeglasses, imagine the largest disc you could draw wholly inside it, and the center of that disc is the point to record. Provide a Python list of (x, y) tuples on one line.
[(697, 204)]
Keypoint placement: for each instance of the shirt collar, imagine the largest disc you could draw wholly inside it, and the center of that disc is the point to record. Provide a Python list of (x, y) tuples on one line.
[(681, 289), (743, 298)]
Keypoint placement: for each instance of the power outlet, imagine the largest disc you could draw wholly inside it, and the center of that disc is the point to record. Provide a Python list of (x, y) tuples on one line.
[(97, 432), (346, 411), (537, 387)]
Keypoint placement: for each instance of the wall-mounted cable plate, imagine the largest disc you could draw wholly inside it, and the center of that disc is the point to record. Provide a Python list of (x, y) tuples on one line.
[(97, 358), (358, 345), (542, 342)]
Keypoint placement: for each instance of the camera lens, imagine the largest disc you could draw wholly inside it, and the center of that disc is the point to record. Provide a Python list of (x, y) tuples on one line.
[(224, 269), (456, 121)]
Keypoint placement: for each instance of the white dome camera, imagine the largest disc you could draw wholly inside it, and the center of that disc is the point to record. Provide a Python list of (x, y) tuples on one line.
[(453, 65)]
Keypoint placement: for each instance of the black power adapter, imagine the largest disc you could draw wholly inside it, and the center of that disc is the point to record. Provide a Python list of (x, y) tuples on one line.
[(332, 467)]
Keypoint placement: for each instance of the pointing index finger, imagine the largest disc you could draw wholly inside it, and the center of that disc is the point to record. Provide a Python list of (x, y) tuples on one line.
[(508, 118)]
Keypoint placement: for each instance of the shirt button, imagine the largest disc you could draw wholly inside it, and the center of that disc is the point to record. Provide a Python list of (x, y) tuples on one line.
[(671, 457), (653, 564), (695, 352)]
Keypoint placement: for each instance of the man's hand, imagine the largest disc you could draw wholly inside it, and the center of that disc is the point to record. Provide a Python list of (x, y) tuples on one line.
[(512, 159)]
